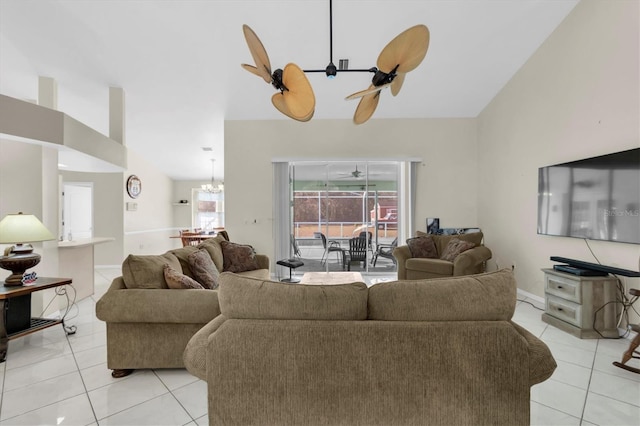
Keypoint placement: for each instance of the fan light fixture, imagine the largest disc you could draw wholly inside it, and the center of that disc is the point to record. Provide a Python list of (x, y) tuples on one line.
[(213, 187), (19, 229), (296, 99)]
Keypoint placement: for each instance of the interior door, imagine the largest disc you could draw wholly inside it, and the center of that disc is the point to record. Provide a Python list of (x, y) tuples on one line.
[(77, 213)]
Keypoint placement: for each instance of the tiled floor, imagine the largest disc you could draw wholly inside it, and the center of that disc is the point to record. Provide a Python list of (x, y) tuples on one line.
[(53, 379)]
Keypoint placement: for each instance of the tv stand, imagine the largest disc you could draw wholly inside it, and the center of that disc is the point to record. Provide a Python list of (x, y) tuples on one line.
[(573, 301)]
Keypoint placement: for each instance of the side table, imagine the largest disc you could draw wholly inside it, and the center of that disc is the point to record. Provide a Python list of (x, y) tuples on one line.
[(15, 315), (291, 264)]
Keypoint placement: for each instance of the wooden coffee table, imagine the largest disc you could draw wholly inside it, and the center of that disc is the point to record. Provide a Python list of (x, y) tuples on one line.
[(331, 278)]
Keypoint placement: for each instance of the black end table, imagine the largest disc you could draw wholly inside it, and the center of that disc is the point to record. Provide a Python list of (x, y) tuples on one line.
[(291, 264)]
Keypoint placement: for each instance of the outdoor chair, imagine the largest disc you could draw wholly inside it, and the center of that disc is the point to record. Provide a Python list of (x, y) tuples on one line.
[(330, 246), (369, 236), (386, 251), (357, 251)]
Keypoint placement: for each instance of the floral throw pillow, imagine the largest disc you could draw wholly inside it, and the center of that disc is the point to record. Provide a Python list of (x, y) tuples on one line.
[(422, 247), (238, 257), (179, 281), (454, 248), (203, 269)]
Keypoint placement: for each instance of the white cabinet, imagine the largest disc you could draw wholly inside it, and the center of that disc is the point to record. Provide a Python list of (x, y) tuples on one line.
[(573, 301)]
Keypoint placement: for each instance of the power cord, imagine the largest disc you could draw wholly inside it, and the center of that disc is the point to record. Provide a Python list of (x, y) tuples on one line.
[(622, 299), (526, 301)]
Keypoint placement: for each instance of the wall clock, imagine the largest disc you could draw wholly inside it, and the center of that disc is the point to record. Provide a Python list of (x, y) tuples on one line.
[(134, 186)]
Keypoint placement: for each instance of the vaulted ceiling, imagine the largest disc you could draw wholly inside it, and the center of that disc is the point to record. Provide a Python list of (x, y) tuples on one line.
[(178, 61)]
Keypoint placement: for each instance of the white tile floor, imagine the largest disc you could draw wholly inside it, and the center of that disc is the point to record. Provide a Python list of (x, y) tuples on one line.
[(53, 379)]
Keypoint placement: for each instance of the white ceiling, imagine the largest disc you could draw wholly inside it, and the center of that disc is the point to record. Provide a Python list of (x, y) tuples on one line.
[(178, 61)]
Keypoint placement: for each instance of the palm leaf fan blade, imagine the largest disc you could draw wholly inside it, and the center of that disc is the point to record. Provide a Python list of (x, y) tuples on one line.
[(259, 54), (406, 50), (396, 84), (299, 97), (366, 107)]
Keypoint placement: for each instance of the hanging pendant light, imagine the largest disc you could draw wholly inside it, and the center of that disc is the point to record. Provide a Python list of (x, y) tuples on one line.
[(213, 187)]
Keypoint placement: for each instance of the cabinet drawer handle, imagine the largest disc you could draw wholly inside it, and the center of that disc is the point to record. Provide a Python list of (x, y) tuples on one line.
[(559, 287)]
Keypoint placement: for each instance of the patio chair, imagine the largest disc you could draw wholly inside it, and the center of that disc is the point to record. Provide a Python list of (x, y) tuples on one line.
[(357, 251), (386, 251), (330, 246), (369, 236), (294, 247)]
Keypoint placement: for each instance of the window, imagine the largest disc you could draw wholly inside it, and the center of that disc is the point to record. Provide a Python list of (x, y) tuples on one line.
[(208, 210)]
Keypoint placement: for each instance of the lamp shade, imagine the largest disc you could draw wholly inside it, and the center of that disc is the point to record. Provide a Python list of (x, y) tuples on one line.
[(23, 228)]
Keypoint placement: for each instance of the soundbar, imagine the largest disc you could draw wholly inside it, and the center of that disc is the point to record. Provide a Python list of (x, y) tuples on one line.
[(581, 265)]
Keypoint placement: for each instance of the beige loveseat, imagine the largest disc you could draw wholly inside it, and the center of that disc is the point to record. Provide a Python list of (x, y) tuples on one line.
[(469, 262), (441, 352), (148, 324)]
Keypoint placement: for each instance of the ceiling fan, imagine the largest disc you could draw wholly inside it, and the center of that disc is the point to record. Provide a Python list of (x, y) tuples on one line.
[(402, 54), (296, 99), (295, 96)]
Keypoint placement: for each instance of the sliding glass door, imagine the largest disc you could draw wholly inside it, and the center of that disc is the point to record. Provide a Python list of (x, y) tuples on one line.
[(333, 202)]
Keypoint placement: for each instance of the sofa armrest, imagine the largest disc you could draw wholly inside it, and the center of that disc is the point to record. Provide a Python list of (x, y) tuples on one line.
[(541, 361), (401, 254), (123, 305), (263, 261), (470, 261)]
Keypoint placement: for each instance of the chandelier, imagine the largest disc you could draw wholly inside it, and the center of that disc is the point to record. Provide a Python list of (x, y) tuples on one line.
[(213, 187)]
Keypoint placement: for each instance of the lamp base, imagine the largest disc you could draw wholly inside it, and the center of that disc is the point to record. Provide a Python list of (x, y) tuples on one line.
[(18, 264)]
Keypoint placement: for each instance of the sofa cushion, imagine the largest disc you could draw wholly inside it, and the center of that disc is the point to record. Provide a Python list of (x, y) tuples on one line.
[(454, 248), (182, 254), (212, 246), (238, 257), (441, 241), (482, 297), (147, 271), (432, 266), (249, 298), (203, 269), (422, 247), (178, 281)]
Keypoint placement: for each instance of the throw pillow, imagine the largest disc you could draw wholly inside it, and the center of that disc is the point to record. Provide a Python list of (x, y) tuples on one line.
[(238, 257), (203, 269), (146, 271), (422, 247), (178, 281), (454, 248)]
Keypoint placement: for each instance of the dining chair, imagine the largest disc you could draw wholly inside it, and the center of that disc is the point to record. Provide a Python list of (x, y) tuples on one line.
[(190, 238)]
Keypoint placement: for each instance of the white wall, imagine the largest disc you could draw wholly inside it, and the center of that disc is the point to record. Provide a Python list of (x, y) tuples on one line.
[(29, 184), (576, 97), (447, 180), (108, 221), (148, 229)]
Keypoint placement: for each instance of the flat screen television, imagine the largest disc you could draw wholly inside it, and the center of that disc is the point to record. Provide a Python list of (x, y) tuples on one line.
[(595, 198)]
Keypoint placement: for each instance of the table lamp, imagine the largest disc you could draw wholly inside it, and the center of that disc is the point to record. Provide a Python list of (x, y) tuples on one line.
[(19, 229)]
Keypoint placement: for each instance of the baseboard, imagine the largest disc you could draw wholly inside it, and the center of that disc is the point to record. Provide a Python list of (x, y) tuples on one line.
[(531, 296)]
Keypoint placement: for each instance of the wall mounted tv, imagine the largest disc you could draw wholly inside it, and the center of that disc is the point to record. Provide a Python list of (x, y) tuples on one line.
[(596, 198)]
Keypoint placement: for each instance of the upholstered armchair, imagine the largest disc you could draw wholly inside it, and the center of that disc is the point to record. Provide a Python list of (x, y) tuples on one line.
[(435, 256)]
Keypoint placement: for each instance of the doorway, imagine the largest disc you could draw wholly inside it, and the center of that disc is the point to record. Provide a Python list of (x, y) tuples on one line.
[(333, 202), (77, 211)]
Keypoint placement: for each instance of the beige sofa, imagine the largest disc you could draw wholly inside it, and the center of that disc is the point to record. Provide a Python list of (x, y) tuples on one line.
[(441, 352), (469, 262), (148, 324)]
